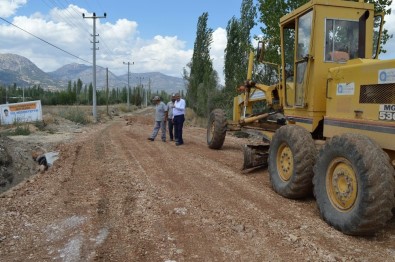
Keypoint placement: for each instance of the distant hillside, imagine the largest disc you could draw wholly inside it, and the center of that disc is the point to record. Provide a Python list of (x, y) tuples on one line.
[(156, 80), (75, 71), (21, 71)]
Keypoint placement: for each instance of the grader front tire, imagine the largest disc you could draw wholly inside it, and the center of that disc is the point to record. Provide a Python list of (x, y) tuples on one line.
[(354, 184), (216, 129), (292, 156)]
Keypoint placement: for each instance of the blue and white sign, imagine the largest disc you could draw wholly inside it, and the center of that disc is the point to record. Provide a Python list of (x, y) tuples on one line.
[(345, 89), (387, 76)]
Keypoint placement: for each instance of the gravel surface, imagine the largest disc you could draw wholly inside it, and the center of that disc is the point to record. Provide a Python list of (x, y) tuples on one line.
[(115, 196)]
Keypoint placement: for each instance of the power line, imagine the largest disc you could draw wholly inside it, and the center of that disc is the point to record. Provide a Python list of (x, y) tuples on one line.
[(128, 63), (72, 21), (66, 16), (98, 3), (106, 50), (70, 18), (45, 41), (88, 5), (82, 25)]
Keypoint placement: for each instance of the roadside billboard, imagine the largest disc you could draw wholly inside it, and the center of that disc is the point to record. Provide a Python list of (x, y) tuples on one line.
[(20, 112)]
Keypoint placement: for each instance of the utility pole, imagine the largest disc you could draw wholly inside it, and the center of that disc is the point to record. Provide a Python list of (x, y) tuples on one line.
[(107, 89), (146, 92), (94, 17), (128, 63), (140, 84)]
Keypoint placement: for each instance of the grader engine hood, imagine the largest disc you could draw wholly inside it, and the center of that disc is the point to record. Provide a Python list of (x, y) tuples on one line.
[(360, 98)]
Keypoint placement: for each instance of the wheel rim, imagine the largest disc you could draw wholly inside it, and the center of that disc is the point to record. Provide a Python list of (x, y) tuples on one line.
[(285, 164), (342, 184)]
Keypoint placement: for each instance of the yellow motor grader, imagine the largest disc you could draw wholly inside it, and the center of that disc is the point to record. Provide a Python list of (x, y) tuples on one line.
[(330, 127)]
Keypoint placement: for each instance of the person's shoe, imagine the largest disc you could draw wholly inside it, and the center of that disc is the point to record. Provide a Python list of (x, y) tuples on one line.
[(171, 139), (179, 144), (163, 140), (150, 139)]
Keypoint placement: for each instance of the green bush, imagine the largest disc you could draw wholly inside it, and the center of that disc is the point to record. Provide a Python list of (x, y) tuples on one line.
[(40, 125), (20, 130), (76, 115)]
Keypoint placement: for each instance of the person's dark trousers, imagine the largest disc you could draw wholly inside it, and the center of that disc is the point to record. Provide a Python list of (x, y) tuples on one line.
[(178, 125), (171, 127)]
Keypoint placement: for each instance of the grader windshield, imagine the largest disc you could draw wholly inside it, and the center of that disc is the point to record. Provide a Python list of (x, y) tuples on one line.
[(341, 40)]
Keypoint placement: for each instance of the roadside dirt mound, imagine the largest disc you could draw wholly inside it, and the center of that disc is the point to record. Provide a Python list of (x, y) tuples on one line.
[(18, 152), (16, 162)]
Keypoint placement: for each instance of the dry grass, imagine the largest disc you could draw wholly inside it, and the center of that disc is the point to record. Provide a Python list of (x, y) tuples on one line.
[(83, 114), (79, 113), (22, 129), (194, 120), (48, 119), (124, 108)]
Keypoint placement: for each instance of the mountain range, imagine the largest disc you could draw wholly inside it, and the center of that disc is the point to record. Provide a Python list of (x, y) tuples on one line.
[(16, 69)]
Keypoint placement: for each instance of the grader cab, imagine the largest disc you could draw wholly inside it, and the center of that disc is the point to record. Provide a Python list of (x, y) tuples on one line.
[(329, 123)]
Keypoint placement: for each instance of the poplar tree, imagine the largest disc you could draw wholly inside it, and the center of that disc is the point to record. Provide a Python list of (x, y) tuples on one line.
[(235, 67), (202, 78), (238, 47)]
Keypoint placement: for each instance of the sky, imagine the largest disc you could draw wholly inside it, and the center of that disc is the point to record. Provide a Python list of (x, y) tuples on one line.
[(154, 35)]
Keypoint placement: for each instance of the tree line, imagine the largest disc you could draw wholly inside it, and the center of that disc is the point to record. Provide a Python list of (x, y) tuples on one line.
[(78, 93)]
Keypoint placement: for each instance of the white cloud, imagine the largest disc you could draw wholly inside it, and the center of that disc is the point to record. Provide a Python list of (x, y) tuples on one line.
[(162, 54), (118, 42), (217, 51), (8, 7), (121, 30)]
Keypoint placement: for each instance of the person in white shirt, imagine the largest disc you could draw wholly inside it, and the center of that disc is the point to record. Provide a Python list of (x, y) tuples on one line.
[(178, 119), (170, 106)]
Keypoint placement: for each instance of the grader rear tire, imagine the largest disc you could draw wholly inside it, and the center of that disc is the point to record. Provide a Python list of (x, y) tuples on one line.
[(216, 129), (354, 184), (292, 156)]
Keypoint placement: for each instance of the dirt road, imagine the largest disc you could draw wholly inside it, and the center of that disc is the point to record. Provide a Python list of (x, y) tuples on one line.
[(115, 196)]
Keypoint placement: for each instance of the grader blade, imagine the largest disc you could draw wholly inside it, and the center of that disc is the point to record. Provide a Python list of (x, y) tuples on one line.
[(255, 156)]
